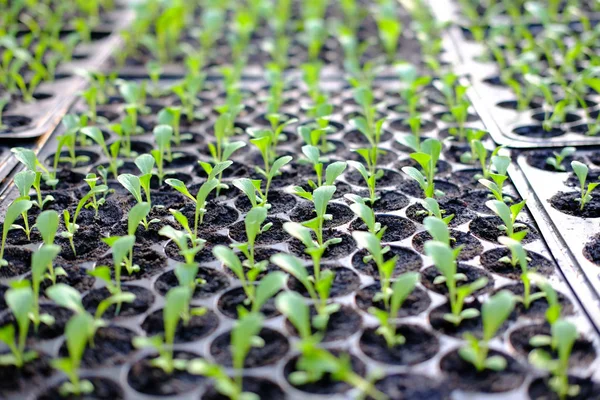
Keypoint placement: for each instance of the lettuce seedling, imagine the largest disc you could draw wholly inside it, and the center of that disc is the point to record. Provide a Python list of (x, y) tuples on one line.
[(47, 224), (171, 116), (519, 256), (221, 150), (370, 177), (73, 125), (271, 167), (207, 187), (29, 159), (316, 134), (135, 185), (509, 216), (187, 91), (162, 137), (445, 260), (24, 182), (95, 203), (177, 303), (332, 172), (111, 153), (493, 314), (412, 83), (432, 209), (256, 295), (477, 151), (581, 171), (318, 290), (557, 159), (500, 164), (252, 189), (402, 287), (20, 301), (366, 214), (564, 335), (40, 261), (183, 238), (14, 210), (71, 226), (254, 224), (390, 30), (427, 159)]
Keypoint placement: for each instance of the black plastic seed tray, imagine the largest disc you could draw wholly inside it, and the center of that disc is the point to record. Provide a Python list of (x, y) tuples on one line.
[(427, 364)]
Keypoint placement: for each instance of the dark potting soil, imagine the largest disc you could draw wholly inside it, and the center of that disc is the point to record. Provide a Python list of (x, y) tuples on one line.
[(476, 200), (463, 375), (215, 281), (537, 309), (275, 234), (466, 179), (486, 228), (442, 167), (88, 245), (144, 236), (44, 332), (197, 327), (229, 302), (538, 132), (19, 261), (13, 379), (147, 379), (389, 179), (217, 216), (582, 355), (450, 206), (67, 179), (471, 325), (536, 263), (341, 214), (280, 202), (149, 261), (389, 200), (342, 324), (402, 125), (412, 387), (471, 246), (412, 188), (333, 252), (155, 183), (203, 256), (275, 348), (357, 137), (472, 273), (142, 302), (588, 389), (92, 157), (327, 385), (420, 345), (264, 388), (417, 302), (397, 228), (112, 345), (104, 389), (108, 215), (537, 159), (591, 250), (408, 260), (77, 277), (568, 204), (345, 281)]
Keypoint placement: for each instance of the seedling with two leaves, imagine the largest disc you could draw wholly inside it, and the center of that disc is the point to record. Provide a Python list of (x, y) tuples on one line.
[(20, 301), (272, 167), (24, 181), (332, 172), (493, 314), (29, 159), (581, 171), (183, 239), (557, 159), (111, 152), (136, 184), (47, 224), (366, 214), (498, 176), (432, 209), (427, 158), (509, 216), (16, 209)]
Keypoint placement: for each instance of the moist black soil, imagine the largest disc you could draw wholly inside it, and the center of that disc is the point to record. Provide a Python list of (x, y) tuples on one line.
[(275, 348), (264, 388), (147, 379), (568, 204), (591, 250), (104, 389), (420, 345), (412, 387), (92, 158), (112, 345), (326, 385), (77, 278), (417, 302), (397, 228), (588, 389), (536, 263), (197, 327), (108, 214), (429, 274), (582, 355), (333, 252), (230, 301), (149, 261), (13, 379), (389, 200), (44, 332), (142, 302), (537, 159), (537, 309), (280, 202), (342, 324), (155, 183), (67, 179), (217, 216), (466, 178), (471, 246), (19, 261), (340, 213), (408, 260), (451, 206), (476, 200), (275, 234), (203, 256), (88, 245), (357, 137), (215, 281), (412, 188), (486, 228), (144, 236), (463, 375), (345, 281)]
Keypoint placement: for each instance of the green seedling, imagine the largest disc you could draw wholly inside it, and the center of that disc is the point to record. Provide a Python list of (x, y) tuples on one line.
[(272, 167), (427, 158), (28, 158), (254, 223), (318, 290), (556, 161), (73, 125), (316, 134), (366, 214), (252, 189), (390, 30), (256, 295), (564, 335), (183, 238), (47, 224), (187, 91), (493, 314), (154, 70), (432, 209), (111, 152), (13, 212), (139, 187), (581, 171), (171, 116), (499, 176), (95, 203), (40, 261), (332, 172), (402, 287), (162, 152), (509, 216), (20, 301), (477, 151), (24, 182), (370, 179), (519, 256)]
